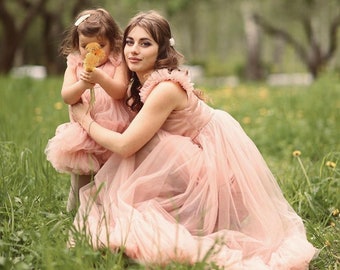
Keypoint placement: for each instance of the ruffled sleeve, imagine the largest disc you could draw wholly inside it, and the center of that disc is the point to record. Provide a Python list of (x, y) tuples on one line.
[(180, 76), (73, 60)]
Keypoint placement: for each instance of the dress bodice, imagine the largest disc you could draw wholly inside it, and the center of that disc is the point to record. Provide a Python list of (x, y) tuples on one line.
[(188, 121)]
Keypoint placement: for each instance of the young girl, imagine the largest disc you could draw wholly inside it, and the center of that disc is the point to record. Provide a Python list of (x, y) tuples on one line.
[(184, 183), (72, 150)]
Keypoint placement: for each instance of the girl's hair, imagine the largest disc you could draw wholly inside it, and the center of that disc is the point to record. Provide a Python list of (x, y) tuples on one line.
[(99, 23), (159, 29)]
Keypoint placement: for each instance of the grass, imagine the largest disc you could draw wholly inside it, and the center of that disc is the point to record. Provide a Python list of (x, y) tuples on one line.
[(34, 225)]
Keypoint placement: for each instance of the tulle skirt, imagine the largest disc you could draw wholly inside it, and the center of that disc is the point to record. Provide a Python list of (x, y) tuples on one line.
[(210, 198), (72, 150)]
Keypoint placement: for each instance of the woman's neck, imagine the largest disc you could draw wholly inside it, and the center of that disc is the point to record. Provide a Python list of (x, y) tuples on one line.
[(143, 77)]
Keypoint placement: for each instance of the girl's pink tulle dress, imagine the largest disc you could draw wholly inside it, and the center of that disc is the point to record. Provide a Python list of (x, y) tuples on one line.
[(199, 190), (72, 150)]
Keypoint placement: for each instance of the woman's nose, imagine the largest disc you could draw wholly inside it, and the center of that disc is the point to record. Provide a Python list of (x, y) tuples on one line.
[(135, 48)]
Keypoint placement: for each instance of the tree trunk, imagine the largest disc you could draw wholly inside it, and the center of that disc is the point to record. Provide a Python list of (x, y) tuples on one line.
[(52, 29), (10, 42), (254, 70), (14, 35)]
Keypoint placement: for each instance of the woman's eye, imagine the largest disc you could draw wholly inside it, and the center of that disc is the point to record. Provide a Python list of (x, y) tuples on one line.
[(145, 44), (129, 42)]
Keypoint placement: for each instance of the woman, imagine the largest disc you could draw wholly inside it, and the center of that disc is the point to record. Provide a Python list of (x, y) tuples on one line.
[(185, 182)]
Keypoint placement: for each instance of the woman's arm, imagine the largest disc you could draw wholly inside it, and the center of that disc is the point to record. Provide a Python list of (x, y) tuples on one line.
[(73, 88), (165, 98)]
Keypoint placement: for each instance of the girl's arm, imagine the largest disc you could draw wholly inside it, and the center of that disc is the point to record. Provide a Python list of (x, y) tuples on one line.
[(73, 88), (166, 97), (117, 86)]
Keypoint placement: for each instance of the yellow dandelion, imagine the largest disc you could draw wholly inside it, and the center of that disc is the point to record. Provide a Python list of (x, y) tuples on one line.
[(335, 212), (263, 112), (331, 164), (300, 114), (38, 118), (297, 153), (37, 110), (246, 120), (94, 56), (58, 105), (90, 62), (263, 93), (228, 91)]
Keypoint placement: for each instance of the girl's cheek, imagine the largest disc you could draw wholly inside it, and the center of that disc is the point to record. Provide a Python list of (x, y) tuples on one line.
[(82, 51), (82, 54), (103, 61)]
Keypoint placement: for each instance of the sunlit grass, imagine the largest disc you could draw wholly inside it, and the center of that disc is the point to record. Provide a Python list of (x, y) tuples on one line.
[(295, 128)]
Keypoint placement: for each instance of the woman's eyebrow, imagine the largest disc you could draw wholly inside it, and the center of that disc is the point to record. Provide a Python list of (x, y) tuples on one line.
[(140, 39)]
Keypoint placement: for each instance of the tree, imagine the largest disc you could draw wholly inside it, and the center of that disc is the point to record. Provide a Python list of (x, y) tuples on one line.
[(14, 30), (254, 69), (16, 18), (313, 52)]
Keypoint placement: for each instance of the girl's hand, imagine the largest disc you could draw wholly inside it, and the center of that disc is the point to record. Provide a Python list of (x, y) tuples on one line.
[(79, 112), (87, 77), (92, 77)]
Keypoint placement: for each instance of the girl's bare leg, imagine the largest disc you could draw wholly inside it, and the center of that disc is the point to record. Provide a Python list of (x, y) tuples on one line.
[(77, 181)]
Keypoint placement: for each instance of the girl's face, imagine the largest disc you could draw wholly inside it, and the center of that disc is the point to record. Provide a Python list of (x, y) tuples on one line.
[(103, 42), (140, 52)]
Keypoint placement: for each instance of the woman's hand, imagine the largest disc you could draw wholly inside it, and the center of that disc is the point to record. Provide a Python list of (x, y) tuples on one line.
[(80, 113)]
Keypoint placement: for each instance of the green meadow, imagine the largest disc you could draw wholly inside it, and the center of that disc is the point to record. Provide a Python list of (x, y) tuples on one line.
[(296, 128)]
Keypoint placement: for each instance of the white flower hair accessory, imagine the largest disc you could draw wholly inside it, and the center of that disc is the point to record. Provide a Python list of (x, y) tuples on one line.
[(172, 42), (81, 19)]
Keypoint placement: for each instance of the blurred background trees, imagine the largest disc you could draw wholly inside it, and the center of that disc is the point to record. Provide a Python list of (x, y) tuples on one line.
[(247, 38), (314, 37)]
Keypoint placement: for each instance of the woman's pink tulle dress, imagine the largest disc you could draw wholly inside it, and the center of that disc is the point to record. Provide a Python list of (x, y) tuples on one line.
[(72, 150), (199, 190)]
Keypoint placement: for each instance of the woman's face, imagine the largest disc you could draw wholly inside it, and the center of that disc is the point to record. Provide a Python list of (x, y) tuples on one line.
[(104, 43), (140, 52)]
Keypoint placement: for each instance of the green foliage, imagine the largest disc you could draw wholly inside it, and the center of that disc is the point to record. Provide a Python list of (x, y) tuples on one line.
[(34, 225)]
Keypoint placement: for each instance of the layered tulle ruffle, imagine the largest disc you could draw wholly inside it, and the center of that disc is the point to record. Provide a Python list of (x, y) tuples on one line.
[(72, 150)]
